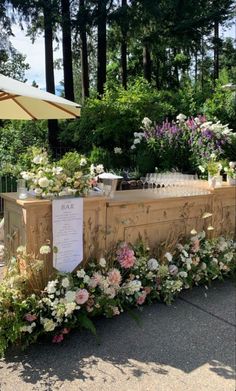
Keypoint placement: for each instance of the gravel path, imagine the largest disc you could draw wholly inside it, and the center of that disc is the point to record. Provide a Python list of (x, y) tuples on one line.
[(183, 347)]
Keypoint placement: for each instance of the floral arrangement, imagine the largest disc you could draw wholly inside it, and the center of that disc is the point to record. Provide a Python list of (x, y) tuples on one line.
[(212, 166), (131, 277), (191, 140), (72, 175), (230, 170)]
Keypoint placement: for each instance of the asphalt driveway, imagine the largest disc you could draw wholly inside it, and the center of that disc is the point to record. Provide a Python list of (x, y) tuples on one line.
[(187, 346)]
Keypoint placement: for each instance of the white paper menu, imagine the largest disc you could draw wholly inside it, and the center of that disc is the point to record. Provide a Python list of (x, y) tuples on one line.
[(67, 226)]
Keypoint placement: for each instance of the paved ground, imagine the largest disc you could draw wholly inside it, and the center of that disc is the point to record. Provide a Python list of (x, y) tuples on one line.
[(186, 346)]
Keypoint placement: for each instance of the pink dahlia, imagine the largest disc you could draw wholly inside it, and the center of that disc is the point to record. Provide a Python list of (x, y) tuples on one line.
[(114, 277), (95, 280), (81, 296), (125, 256)]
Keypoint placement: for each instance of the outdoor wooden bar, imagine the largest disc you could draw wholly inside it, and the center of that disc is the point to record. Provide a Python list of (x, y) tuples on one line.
[(129, 215)]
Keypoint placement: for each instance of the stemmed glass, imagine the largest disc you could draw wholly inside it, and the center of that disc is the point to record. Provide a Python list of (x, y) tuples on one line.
[(143, 180)]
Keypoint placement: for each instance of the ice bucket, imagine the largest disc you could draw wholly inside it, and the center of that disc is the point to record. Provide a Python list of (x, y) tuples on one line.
[(109, 183)]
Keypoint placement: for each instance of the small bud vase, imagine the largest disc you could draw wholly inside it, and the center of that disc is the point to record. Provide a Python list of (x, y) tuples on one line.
[(231, 181)]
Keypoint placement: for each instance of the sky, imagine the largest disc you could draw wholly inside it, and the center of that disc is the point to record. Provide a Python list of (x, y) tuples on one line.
[(36, 59)]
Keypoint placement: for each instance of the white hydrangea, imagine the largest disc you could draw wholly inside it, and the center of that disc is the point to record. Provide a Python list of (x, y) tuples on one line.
[(183, 274), (70, 296), (132, 286), (152, 264)]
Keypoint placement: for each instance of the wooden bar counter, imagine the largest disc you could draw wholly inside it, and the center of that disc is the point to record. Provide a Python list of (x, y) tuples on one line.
[(129, 215)]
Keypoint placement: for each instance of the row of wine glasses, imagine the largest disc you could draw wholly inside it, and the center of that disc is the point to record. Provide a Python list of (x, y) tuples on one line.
[(174, 184)]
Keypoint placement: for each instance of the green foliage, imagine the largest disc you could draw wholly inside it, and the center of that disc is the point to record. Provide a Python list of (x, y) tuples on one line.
[(71, 162), (111, 121), (15, 139), (222, 106)]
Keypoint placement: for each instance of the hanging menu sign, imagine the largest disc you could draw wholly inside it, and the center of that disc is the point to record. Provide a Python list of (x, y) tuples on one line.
[(67, 227)]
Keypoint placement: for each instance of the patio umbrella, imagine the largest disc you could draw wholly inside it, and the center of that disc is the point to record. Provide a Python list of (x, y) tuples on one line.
[(21, 101)]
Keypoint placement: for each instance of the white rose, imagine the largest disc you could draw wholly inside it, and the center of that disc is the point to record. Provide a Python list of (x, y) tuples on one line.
[(80, 273), (99, 168), (232, 164), (48, 324), (65, 282), (43, 182), (137, 141), (203, 266), (132, 147)]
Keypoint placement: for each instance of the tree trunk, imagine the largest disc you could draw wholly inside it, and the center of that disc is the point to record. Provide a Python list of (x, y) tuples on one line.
[(49, 70), (147, 66), (101, 48), (84, 52), (67, 52), (196, 68), (216, 51), (124, 47)]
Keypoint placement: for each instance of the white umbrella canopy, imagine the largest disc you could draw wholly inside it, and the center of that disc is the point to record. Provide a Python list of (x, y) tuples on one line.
[(21, 101)]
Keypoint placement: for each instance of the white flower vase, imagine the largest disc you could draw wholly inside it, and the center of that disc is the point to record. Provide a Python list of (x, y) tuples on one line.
[(214, 181), (231, 181)]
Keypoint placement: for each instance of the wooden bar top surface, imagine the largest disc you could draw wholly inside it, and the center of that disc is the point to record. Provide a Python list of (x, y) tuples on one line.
[(30, 201), (121, 197)]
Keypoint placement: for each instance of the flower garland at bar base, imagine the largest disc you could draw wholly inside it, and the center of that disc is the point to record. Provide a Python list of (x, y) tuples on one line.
[(136, 277)]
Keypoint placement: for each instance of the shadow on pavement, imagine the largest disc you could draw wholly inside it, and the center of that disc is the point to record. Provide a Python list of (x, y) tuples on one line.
[(186, 336)]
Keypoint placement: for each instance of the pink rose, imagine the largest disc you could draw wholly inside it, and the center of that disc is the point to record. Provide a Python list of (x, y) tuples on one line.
[(125, 256), (114, 277), (30, 317), (141, 299), (81, 296), (58, 338)]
